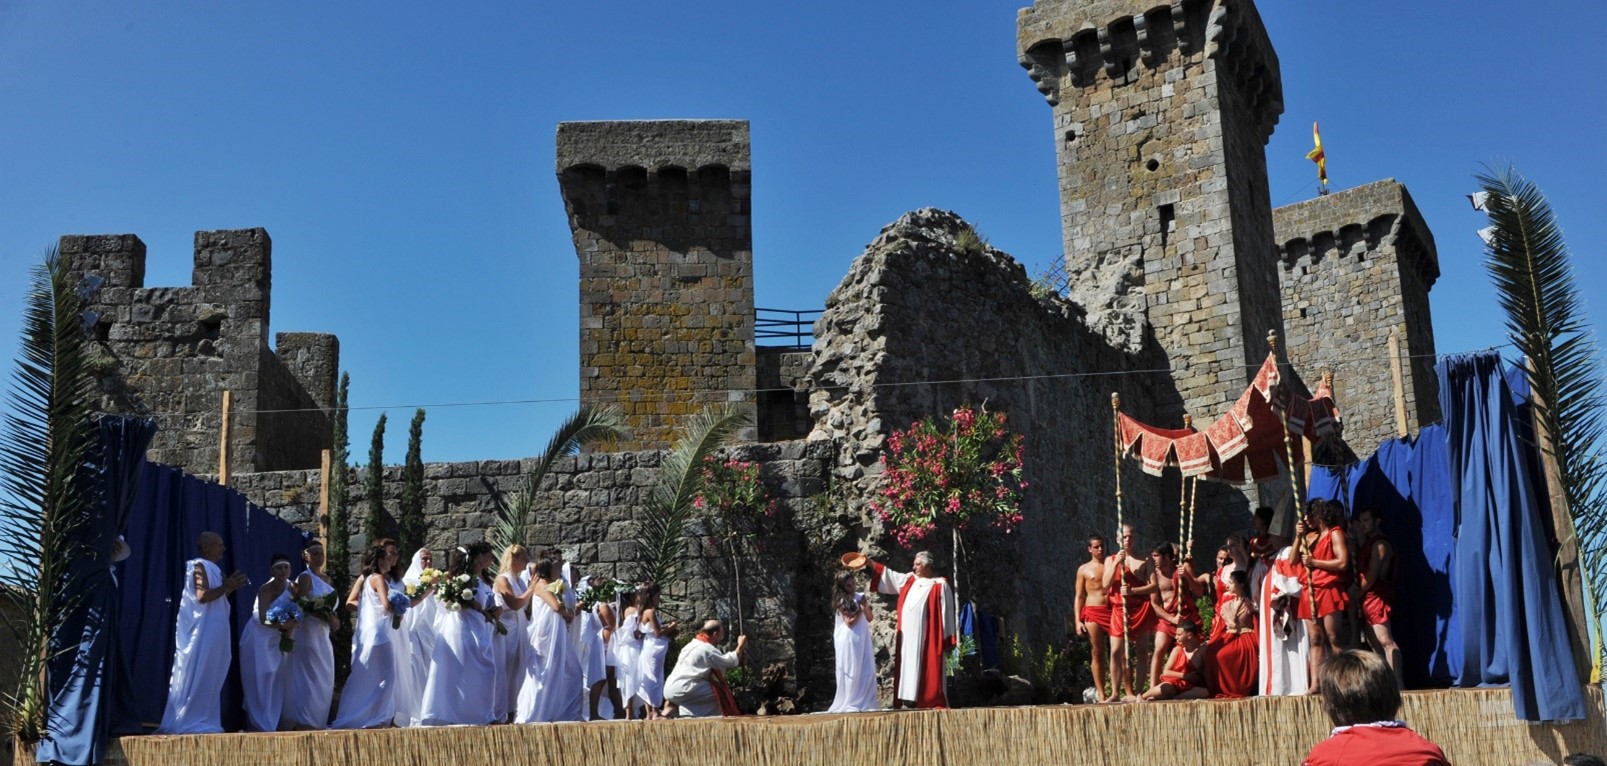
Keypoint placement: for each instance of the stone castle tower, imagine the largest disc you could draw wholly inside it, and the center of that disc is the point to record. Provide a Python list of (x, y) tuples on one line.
[(1162, 112), (660, 215)]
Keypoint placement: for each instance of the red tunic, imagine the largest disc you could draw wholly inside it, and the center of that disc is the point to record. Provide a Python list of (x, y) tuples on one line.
[(1381, 744), (1191, 610), (1231, 662), (1224, 598), (1179, 665), (1380, 597), (1331, 589), (1140, 618)]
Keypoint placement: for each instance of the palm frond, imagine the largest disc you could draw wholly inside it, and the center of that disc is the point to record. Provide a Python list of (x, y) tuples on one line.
[(46, 494), (669, 509), (585, 426), (1529, 262)]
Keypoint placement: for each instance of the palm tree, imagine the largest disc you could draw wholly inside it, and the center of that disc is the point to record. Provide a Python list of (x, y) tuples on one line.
[(680, 476), (47, 492), (586, 426), (1529, 263)]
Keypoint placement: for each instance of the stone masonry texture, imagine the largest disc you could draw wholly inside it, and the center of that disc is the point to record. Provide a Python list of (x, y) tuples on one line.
[(1179, 268), (660, 214), (1357, 266), (171, 352)]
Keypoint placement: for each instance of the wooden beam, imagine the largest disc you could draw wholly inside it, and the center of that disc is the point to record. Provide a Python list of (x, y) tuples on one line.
[(223, 438), (1400, 383), (1564, 542), (323, 498)]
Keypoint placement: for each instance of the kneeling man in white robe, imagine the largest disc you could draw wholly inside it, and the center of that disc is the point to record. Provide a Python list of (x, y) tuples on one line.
[(697, 684), (202, 645)]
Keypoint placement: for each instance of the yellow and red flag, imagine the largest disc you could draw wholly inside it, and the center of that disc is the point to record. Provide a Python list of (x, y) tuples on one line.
[(1318, 156)]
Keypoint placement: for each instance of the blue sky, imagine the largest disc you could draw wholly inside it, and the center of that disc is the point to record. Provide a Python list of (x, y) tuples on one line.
[(401, 154)]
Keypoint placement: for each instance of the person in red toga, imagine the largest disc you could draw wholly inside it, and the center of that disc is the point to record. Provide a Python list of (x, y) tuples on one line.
[(1181, 680), (1129, 598), (1329, 562), (927, 621), (1172, 602), (1360, 696), (1093, 612), (1375, 568)]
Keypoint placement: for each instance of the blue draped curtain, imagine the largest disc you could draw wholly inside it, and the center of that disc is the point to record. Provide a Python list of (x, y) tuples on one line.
[(1513, 626), (1408, 481), (172, 510), (87, 676)]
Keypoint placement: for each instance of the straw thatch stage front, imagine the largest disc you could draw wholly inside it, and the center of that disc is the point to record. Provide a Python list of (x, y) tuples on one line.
[(1473, 726)]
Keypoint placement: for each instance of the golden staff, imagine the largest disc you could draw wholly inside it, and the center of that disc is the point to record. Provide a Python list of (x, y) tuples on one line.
[(1183, 496), (1294, 479), (1121, 566)]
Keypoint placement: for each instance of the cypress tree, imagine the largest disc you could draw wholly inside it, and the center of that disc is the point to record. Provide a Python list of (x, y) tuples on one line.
[(410, 512), (340, 547), (374, 523)]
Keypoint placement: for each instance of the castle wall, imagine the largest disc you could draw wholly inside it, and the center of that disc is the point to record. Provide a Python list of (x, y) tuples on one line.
[(660, 215), (590, 505), (783, 394), (171, 352), (1161, 116), (919, 327), (1357, 266)]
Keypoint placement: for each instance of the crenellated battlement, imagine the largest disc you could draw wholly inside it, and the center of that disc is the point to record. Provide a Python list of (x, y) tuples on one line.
[(1068, 44), (660, 216), (171, 352)]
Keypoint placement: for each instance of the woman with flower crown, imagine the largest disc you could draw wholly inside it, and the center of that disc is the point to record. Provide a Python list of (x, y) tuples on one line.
[(310, 669), (512, 594), (419, 624), (462, 667), (368, 701), (263, 650), (655, 645), (551, 686)]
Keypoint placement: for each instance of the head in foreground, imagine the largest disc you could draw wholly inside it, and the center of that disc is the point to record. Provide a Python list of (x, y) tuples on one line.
[(1358, 687)]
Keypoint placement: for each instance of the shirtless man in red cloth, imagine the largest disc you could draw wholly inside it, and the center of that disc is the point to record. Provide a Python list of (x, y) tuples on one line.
[(1136, 585), (1171, 581), (1093, 612), (1375, 566)]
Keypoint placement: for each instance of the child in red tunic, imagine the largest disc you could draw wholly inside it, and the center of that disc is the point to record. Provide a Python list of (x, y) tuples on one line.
[(1183, 677), (1361, 698)]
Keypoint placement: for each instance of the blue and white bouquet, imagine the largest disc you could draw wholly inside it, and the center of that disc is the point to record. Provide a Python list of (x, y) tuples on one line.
[(400, 603), (284, 617)]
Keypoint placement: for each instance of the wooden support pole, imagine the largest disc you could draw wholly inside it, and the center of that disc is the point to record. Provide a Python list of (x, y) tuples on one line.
[(1565, 540), (223, 438), (323, 498), (1400, 383)]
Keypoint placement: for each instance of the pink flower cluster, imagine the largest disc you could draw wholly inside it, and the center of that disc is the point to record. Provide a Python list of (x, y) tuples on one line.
[(732, 491), (965, 474)]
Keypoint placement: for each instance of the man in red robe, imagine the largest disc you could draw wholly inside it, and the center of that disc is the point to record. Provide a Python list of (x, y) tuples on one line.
[(927, 622)]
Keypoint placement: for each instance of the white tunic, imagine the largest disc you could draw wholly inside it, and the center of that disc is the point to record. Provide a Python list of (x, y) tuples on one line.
[(650, 667), (627, 651), (856, 665), (368, 700), (550, 689), (420, 622), (912, 625), (262, 677), (201, 653), (462, 669), (407, 693), (511, 648), (688, 685), (310, 670), (1283, 660)]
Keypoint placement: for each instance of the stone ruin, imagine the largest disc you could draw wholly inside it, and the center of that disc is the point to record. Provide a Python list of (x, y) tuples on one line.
[(1177, 262)]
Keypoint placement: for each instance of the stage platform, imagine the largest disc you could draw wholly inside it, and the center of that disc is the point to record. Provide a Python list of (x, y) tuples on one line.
[(1473, 726)]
